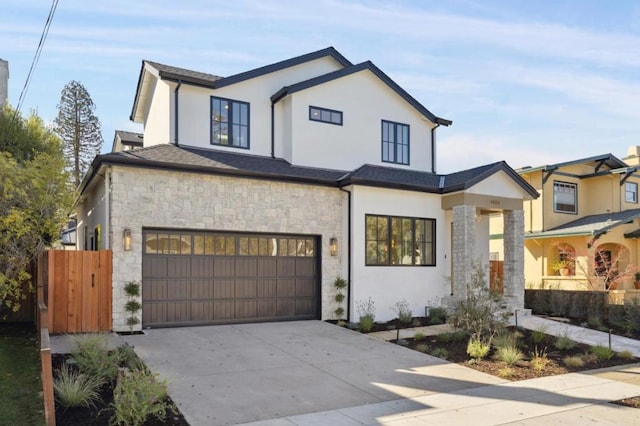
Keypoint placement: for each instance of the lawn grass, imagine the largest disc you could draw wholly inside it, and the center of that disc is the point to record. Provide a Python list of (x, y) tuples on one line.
[(20, 386)]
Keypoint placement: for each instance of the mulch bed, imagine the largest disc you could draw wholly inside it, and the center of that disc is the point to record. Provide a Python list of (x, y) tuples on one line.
[(101, 413), (457, 352)]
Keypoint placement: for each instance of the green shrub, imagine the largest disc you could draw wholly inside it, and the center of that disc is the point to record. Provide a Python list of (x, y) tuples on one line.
[(127, 358), (440, 353), (422, 347), (419, 337), (539, 359), (74, 389), (506, 372), (505, 339), (92, 357), (437, 316), (625, 355), (573, 361), (539, 334), (456, 336), (137, 396), (479, 313), (367, 312), (602, 353), (403, 311), (510, 355), (476, 349), (564, 343), (339, 297)]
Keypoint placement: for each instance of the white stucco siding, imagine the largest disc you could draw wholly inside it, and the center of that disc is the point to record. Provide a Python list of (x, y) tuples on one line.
[(157, 125), (499, 184), (194, 105), (364, 101), (91, 213), (154, 198), (387, 285)]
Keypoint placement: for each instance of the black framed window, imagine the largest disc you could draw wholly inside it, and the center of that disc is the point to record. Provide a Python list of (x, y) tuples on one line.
[(631, 192), (325, 115), (229, 123), (399, 241), (395, 142), (565, 197)]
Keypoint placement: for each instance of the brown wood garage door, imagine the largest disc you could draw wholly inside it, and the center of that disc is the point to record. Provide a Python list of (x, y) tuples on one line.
[(194, 277)]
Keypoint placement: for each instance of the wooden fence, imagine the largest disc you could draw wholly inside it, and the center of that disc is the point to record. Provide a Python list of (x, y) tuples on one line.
[(77, 290)]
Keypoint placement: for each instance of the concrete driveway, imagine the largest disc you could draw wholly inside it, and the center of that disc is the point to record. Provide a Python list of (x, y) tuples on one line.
[(314, 373), (232, 374)]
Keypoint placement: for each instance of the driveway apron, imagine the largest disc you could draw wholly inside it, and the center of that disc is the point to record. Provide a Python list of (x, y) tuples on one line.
[(232, 374)]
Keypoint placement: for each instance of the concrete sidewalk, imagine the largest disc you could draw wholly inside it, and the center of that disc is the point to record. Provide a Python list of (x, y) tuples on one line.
[(571, 399)]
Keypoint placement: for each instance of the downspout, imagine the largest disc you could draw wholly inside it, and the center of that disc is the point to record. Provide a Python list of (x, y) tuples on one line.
[(273, 137), (175, 99), (433, 147), (349, 281), (107, 213)]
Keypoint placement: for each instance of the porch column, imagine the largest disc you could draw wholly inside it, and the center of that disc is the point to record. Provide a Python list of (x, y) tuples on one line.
[(464, 248), (513, 232)]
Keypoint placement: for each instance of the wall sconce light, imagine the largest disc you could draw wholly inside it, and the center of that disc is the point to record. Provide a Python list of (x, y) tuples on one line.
[(126, 239), (333, 246)]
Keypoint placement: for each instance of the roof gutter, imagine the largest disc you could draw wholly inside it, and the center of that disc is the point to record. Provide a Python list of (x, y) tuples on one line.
[(175, 98)]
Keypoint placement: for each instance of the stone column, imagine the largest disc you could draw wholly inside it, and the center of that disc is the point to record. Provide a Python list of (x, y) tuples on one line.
[(514, 258), (464, 244)]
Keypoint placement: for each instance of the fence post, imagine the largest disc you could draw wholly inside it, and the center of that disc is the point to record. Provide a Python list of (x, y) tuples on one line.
[(46, 367)]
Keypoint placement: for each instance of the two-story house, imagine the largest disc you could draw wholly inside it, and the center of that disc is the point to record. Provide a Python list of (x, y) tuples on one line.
[(581, 233), (252, 193)]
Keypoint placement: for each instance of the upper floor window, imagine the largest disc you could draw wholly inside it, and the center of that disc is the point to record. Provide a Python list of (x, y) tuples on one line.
[(325, 115), (229, 123), (631, 192), (392, 240), (395, 142), (565, 197)]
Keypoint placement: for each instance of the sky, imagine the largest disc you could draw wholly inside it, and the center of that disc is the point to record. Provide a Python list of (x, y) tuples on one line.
[(527, 82)]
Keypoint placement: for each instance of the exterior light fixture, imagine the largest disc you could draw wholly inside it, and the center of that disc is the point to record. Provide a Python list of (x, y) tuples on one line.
[(126, 239), (333, 246)]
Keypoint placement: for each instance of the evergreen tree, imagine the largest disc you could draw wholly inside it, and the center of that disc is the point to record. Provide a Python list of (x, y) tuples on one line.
[(78, 128)]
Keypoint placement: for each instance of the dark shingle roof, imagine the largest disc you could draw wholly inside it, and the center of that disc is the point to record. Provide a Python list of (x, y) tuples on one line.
[(595, 225), (175, 73), (130, 138), (215, 161)]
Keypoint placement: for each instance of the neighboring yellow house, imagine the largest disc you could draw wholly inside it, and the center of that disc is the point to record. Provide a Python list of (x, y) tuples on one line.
[(586, 219)]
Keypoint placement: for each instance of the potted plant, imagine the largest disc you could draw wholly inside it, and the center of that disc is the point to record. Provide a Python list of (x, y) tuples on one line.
[(562, 266)]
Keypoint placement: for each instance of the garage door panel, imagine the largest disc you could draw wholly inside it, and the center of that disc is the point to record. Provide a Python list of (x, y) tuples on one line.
[(305, 306), (179, 266), (202, 266), (154, 267), (305, 267), (153, 290), (246, 267), (286, 308), (224, 267), (252, 277), (305, 287), (267, 288), (223, 310), (267, 267), (286, 287), (179, 289), (178, 312), (246, 309), (224, 289), (245, 288), (202, 289), (201, 311)]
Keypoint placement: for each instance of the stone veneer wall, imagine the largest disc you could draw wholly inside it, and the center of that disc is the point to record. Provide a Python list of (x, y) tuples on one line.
[(155, 198)]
